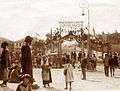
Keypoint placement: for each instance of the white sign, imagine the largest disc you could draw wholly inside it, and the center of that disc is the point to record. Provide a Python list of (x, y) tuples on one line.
[(71, 24)]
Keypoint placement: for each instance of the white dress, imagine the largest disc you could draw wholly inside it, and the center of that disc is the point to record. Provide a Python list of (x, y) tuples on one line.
[(69, 76)]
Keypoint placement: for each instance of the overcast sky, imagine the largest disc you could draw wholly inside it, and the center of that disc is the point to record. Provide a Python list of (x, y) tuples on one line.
[(19, 18)]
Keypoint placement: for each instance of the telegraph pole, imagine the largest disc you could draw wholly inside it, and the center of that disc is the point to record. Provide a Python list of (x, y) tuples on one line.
[(84, 4)]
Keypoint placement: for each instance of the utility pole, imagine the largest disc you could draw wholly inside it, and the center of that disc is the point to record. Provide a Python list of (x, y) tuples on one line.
[(52, 45), (84, 4)]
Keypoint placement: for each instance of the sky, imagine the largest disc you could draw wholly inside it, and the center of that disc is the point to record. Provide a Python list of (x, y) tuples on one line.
[(19, 18)]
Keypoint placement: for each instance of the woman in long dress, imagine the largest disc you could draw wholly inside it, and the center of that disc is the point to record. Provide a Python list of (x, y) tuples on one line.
[(5, 63), (46, 73), (68, 72)]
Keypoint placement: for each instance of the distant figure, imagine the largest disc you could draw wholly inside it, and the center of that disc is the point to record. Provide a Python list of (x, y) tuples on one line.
[(79, 56), (68, 72), (83, 67), (106, 65), (46, 74), (25, 85), (89, 63), (95, 62), (26, 60), (112, 65), (119, 61), (115, 60), (5, 63), (74, 56), (15, 75)]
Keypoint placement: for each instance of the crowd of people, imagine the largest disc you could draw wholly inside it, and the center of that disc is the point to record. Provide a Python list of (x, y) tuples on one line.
[(15, 75), (111, 62), (22, 72)]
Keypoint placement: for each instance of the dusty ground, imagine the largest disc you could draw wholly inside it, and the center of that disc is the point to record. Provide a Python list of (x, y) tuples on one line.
[(96, 81)]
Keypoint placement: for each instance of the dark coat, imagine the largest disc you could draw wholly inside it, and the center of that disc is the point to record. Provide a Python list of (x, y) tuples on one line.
[(26, 60), (84, 63), (0, 72), (116, 60), (111, 62), (79, 55), (5, 62)]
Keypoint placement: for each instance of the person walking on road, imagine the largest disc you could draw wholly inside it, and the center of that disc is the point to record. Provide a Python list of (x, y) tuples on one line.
[(106, 65), (111, 64), (68, 72), (95, 62), (83, 67), (115, 60)]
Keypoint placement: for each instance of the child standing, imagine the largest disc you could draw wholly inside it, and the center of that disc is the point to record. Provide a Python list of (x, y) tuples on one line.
[(68, 72), (46, 73)]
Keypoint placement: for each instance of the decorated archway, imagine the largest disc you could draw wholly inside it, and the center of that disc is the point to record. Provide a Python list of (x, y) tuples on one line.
[(80, 39)]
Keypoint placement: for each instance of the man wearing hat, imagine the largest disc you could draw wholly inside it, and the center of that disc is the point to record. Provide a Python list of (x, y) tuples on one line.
[(26, 60), (5, 63)]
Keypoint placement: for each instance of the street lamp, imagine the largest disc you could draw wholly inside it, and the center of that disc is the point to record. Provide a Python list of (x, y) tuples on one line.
[(84, 5)]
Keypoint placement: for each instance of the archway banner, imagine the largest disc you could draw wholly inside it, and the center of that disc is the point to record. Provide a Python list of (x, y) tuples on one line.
[(70, 24)]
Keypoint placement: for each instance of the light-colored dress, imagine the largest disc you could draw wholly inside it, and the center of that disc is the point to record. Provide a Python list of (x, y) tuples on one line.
[(69, 76)]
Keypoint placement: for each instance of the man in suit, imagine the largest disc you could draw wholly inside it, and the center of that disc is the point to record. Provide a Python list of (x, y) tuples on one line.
[(26, 60)]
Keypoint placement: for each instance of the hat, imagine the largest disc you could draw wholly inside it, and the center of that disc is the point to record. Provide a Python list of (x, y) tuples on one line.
[(4, 44), (28, 39), (26, 76)]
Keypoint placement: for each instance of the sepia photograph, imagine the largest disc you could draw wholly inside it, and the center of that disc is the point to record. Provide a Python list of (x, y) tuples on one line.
[(59, 45)]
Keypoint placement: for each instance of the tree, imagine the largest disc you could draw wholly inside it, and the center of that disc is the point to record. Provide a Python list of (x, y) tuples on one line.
[(49, 38), (48, 35), (38, 47)]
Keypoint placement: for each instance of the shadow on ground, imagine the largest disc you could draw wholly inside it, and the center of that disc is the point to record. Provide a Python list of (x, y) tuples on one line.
[(93, 81)]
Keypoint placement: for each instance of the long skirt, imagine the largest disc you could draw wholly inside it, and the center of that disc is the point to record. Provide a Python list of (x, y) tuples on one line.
[(46, 76), (0, 72), (5, 74)]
